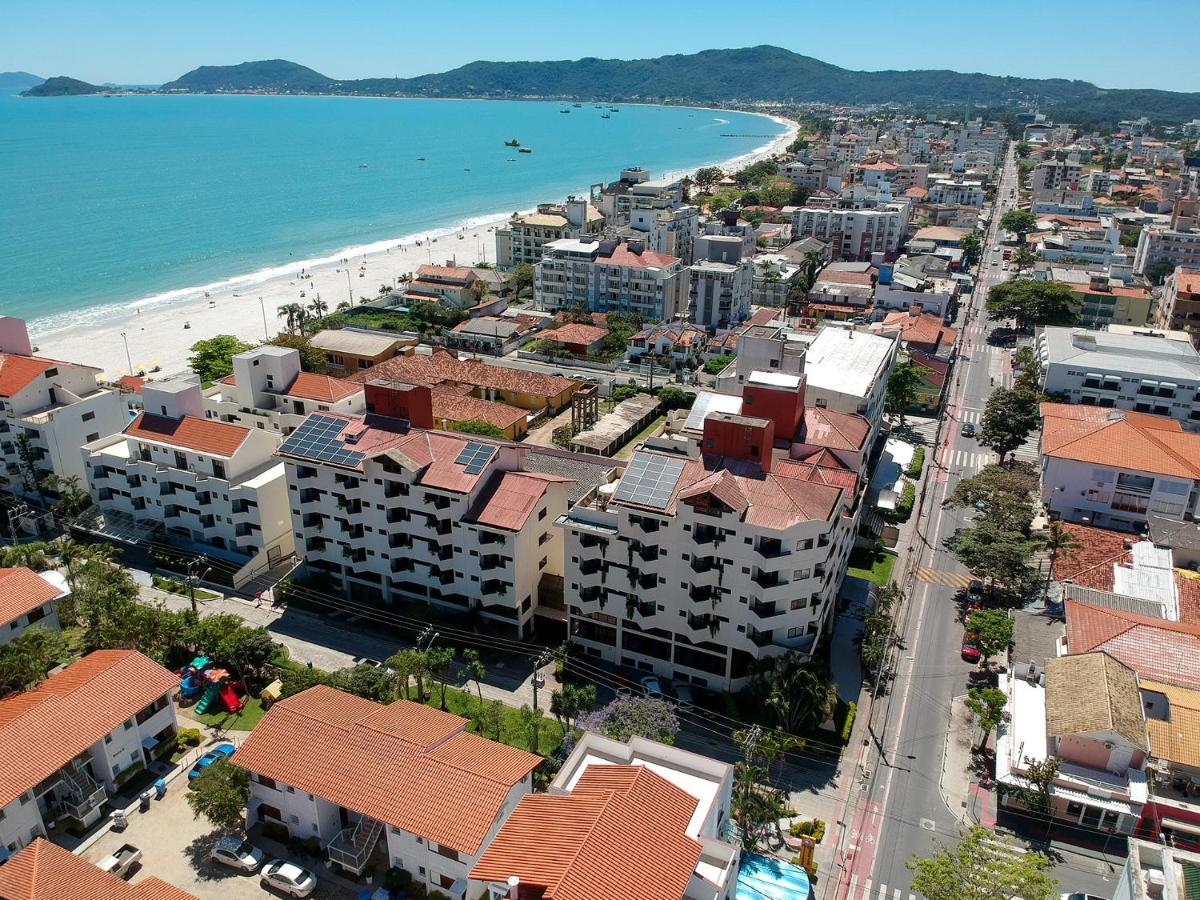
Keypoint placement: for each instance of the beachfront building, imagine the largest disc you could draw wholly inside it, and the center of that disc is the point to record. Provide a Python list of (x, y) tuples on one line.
[(268, 390), (392, 511), (70, 743), (29, 598), (637, 819), (349, 350), (610, 276), (48, 409), (405, 778), (521, 240), (1146, 371), (210, 486), (449, 285)]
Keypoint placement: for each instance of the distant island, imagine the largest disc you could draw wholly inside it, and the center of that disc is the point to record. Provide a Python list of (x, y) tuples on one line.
[(751, 75), (18, 81), (62, 86)]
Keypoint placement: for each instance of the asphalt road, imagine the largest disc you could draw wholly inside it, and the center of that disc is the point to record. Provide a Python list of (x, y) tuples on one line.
[(901, 811)]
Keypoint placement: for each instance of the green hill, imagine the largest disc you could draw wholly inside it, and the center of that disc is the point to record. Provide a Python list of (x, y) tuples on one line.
[(272, 75), (18, 81), (62, 86)]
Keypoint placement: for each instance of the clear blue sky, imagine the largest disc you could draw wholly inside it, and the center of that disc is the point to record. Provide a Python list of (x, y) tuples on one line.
[(1149, 43)]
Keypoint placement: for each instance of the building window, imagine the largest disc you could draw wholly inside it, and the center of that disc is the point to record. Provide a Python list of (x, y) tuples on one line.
[(87, 416)]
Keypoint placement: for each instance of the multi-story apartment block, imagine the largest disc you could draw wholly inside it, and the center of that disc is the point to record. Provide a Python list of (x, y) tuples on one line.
[(522, 238), (812, 176), (669, 231), (210, 484), (1179, 303), (853, 234), (29, 598), (1173, 246), (955, 192), (1100, 244), (610, 276), (720, 292), (635, 190), (405, 778), (48, 409), (70, 743), (267, 390), (1114, 468), (1052, 176), (396, 512), (1145, 371)]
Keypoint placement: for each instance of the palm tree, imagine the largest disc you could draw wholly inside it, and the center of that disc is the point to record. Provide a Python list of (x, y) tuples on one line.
[(804, 280), (291, 313), (318, 307), (1057, 540)]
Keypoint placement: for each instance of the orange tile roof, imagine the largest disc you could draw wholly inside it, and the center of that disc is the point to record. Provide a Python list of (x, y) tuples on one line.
[(922, 328), (1176, 740), (620, 833), (452, 273), (131, 383), (451, 405), (1154, 648), (1187, 281), (310, 386), (188, 432), (576, 333), (511, 499), (21, 590), (16, 372), (1113, 437), (835, 430), (43, 729), (398, 764), (46, 871), (623, 256), (442, 367)]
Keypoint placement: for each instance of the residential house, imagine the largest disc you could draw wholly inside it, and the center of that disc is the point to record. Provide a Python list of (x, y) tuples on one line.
[(919, 331), (842, 290), (46, 871), (48, 409), (637, 819), (610, 276), (349, 350), (522, 238), (69, 743), (941, 236), (497, 335), (449, 285), (359, 776), (393, 511), (576, 338), (209, 485), (683, 342), (29, 598)]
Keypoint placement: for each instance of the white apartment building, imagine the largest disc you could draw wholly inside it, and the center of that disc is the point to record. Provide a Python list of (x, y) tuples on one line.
[(207, 484), (1101, 244), (668, 231), (610, 276), (720, 292), (1145, 371), (1178, 244), (72, 741), (1113, 468), (397, 512), (955, 192), (268, 391), (635, 190), (48, 410), (29, 598), (692, 565), (522, 238), (847, 371), (665, 808), (853, 234), (774, 275), (360, 776), (1052, 176)]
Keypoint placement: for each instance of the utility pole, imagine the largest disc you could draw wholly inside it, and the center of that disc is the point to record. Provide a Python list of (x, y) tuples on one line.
[(194, 577), (349, 288), (266, 332), (15, 512), (128, 358), (542, 660)]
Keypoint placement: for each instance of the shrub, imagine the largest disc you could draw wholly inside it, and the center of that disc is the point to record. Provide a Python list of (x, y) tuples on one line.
[(848, 723), (623, 392), (918, 461), (396, 879), (904, 506), (188, 736)]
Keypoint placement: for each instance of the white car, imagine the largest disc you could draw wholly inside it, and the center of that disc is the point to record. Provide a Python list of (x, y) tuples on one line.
[(237, 853), (652, 687), (289, 878)]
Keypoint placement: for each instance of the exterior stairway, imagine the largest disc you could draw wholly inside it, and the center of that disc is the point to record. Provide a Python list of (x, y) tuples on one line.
[(353, 846)]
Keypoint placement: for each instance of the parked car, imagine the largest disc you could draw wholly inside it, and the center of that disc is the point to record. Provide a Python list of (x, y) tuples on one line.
[(970, 653), (121, 861), (1082, 897), (653, 687), (968, 429), (291, 879), (237, 853), (221, 751)]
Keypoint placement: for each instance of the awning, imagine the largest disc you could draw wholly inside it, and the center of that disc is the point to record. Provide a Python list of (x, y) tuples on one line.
[(149, 743), (1176, 825), (1088, 800)]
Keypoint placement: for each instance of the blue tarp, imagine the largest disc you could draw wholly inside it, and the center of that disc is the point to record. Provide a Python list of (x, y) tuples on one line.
[(764, 878)]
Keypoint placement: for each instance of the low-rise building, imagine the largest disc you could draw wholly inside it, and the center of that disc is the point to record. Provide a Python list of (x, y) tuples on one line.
[(349, 350), (46, 871), (70, 743), (1154, 871), (1145, 372), (48, 409), (395, 512), (449, 285), (847, 371), (682, 342), (29, 598), (497, 335), (919, 331), (577, 338), (620, 820), (1113, 468), (610, 276), (356, 775), (209, 485)]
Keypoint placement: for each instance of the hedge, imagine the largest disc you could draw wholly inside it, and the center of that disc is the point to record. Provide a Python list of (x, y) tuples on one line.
[(914, 467), (848, 722)]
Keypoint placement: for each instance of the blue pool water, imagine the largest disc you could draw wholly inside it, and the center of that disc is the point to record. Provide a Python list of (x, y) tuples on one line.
[(104, 201), (763, 878)]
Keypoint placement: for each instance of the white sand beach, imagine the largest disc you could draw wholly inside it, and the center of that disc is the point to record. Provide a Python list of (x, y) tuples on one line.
[(161, 332)]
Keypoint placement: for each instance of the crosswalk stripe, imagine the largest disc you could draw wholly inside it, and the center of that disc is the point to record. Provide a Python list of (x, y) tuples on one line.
[(947, 579), (877, 892)]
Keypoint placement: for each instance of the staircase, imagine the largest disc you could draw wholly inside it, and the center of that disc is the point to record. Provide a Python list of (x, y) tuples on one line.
[(353, 846), (84, 793)]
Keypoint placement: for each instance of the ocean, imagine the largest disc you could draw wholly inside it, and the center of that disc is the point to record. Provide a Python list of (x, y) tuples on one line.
[(110, 201)]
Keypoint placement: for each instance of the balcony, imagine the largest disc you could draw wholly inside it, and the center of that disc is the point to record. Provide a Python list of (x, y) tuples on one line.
[(701, 564), (590, 566), (771, 548), (703, 622), (82, 793), (491, 562), (764, 610), (767, 580), (353, 846), (591, 594), (706, 534), (759, 638), (703, 593)]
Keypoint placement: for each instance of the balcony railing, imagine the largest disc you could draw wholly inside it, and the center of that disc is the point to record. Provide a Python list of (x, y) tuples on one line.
[(353, 846)]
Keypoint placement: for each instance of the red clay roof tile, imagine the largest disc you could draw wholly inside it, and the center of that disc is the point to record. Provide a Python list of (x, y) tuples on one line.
[(188, 432), (21, 590)]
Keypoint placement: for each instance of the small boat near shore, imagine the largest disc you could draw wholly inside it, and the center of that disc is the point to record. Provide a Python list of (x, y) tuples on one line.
[(525, 150), (513, 143)]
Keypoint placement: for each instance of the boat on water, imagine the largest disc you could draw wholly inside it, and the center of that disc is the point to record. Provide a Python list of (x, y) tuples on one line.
[(420, 159), (577, 105), (605, 116), (362, 165), (525, 150), (513, 143), (566, 112)]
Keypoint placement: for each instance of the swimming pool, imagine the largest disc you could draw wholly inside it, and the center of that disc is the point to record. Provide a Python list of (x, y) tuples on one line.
[(764, 878)]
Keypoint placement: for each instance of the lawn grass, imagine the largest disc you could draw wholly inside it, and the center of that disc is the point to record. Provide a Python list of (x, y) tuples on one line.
[(465, 703), (874, 567), (222, 718), (627, 451), (173, 586)]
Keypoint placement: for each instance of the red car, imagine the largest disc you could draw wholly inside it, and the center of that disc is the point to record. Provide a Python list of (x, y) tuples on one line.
[(970, 652)]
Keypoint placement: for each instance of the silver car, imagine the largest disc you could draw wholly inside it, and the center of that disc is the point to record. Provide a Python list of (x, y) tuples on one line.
[(237, 853), (289, 878)]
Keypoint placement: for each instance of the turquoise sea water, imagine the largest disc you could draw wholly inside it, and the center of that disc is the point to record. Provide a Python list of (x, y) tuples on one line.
[(104, 201)]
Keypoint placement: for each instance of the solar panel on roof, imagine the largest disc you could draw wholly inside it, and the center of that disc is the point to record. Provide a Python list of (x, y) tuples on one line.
[(474, 457), (649, 480), (318, 439)]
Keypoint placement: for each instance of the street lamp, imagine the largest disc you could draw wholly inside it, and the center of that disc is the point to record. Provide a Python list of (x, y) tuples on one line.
[(128, 358)]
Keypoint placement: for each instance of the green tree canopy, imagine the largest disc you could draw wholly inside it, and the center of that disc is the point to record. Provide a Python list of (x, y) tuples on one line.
[(1032, 303), (982, 867), (902, 387), (477, 426), (971, 244), (213, 358), (987, 706), (991, 551), (1003, 494), (522, 276), (312, 359), (1018, 220), (25, 660), (672, 397), (1009, 417), (993, 630), (220, 793)]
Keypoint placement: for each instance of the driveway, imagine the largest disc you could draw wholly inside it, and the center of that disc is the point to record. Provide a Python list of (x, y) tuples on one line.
[(175, 845)]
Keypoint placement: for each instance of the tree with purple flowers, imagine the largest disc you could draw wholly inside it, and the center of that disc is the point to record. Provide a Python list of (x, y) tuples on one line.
[(627, 717)]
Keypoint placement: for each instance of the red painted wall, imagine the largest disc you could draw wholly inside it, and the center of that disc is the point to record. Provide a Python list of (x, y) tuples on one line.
[(782, 406), (739, 440), (400, 401)]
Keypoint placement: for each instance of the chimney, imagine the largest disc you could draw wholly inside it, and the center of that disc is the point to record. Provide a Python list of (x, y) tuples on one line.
[(397, 400)]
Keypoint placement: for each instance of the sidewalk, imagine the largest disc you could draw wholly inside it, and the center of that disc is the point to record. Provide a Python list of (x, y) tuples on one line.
[(955, 782)]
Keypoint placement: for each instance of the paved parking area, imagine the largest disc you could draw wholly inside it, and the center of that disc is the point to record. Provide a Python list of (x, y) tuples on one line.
[(175, 846)]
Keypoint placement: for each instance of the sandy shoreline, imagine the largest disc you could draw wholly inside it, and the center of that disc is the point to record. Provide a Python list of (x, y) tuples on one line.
[(156, 334)]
